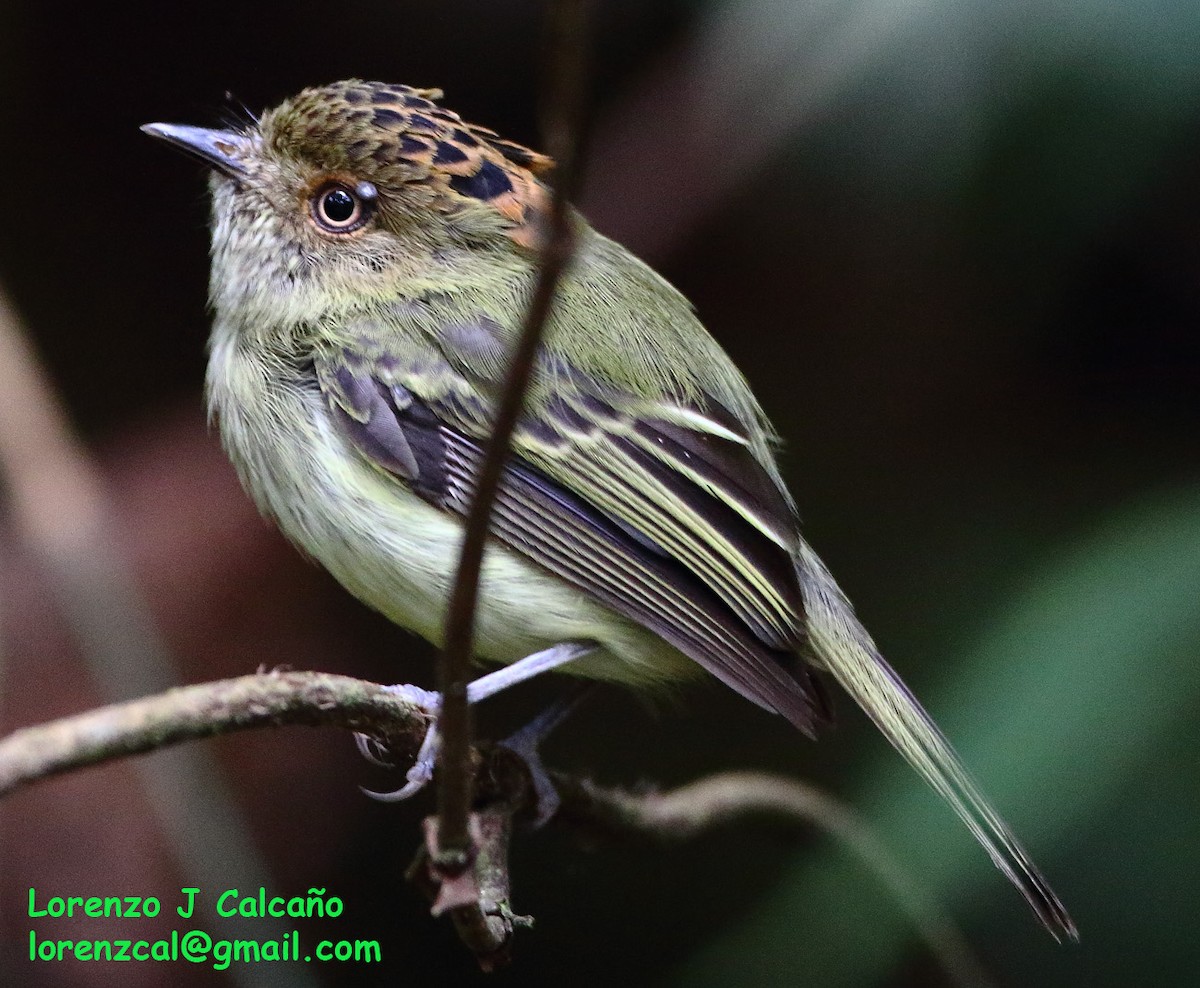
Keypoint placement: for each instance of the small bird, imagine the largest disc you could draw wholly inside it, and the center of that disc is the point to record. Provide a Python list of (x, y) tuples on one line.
[(373, 258)]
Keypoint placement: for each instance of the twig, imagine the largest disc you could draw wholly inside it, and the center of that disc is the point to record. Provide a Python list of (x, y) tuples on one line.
[(730, 797), (192, 712), (478, 900), (564, 109)]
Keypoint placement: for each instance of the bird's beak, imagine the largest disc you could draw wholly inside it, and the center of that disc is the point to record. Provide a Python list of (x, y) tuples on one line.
[(224, 150)]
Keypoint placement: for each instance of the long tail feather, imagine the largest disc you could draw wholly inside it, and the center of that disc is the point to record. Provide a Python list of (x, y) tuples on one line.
[(842, 646)]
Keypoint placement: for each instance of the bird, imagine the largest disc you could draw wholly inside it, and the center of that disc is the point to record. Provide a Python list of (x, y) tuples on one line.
[(373, 256)]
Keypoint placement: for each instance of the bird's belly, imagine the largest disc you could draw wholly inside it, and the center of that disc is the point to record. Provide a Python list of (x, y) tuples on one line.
[(398, 554)]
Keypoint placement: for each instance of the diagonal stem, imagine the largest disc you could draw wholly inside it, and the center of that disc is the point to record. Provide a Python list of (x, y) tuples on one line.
[(565, 87)]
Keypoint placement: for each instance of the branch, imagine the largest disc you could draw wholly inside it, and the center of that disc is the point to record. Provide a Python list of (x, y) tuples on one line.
[(565, 87), (478, 898), (730, 797), (191, 712)]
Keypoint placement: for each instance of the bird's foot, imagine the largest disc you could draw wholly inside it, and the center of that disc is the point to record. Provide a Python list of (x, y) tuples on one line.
[(525, 744), (430, 703), (418, 776)]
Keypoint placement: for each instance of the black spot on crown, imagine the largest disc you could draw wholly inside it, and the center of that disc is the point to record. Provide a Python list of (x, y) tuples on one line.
[(448, 154), (412, 145), (387, 118), (514, 153), (487, 183)]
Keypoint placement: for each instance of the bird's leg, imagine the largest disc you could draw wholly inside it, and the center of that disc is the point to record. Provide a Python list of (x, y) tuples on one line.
[(525, 744), (480, 689)]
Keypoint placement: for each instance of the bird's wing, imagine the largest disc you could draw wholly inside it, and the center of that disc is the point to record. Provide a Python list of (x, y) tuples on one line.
[(662, 513)]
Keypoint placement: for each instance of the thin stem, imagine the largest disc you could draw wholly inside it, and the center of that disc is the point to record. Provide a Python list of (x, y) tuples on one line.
[(565, 87)]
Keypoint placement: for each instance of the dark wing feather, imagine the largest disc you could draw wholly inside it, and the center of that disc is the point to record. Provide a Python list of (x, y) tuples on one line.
[(735, 609)]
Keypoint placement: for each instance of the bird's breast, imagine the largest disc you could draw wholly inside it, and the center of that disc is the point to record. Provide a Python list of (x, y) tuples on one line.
[(389, 547)]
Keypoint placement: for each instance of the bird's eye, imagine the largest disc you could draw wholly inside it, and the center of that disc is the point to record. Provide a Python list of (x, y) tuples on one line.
[(337, 208)]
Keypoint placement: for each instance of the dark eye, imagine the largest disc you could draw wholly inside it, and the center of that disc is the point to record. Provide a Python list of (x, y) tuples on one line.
[(336, 208)]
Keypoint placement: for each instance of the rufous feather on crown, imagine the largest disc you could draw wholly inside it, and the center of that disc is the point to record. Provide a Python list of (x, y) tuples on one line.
[(401, 135)]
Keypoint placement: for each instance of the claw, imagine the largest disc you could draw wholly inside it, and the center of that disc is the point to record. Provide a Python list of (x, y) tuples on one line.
[(422, 769), (523, 744), (373, 750)]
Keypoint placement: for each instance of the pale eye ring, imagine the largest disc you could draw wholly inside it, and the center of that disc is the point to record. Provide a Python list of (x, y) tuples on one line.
[(338, 208)]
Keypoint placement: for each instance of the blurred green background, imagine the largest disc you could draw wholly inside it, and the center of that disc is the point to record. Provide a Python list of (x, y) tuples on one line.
[(956, 248)]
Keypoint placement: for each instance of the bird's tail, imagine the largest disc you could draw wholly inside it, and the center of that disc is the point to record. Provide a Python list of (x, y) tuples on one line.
[(842, 646)]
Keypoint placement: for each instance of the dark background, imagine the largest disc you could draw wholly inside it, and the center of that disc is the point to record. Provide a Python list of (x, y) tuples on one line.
[(955, 248)]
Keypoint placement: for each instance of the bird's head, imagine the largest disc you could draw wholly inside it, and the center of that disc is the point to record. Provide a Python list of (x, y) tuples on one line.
[(344, 190)]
